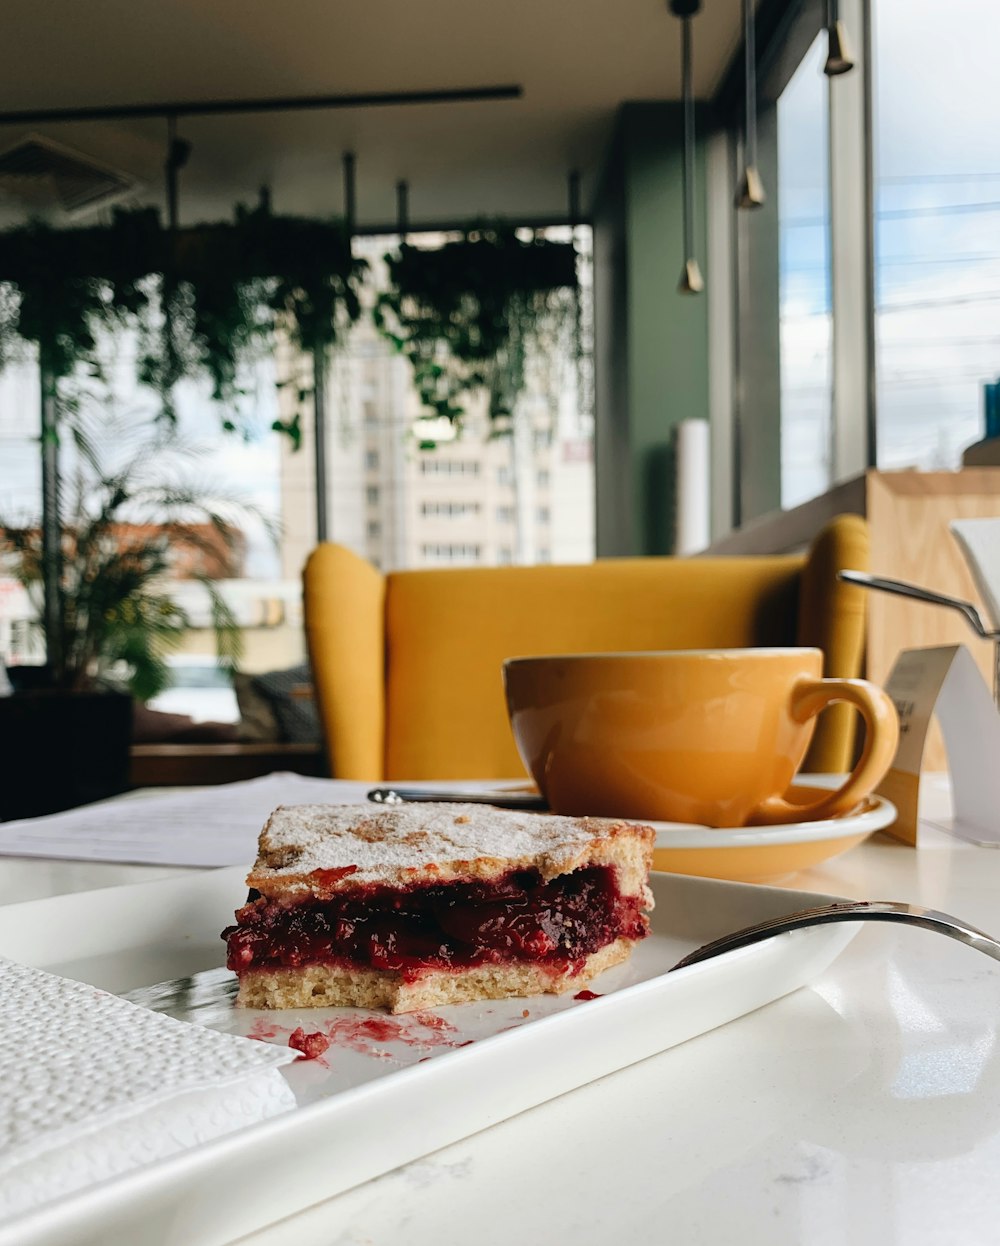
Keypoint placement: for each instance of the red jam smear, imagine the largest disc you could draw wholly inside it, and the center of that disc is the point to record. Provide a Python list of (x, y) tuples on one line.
[(521, 917), (329, 878), (312, 1045)]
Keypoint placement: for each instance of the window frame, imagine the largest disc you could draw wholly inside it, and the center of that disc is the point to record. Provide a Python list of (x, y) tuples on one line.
[(744, 346)]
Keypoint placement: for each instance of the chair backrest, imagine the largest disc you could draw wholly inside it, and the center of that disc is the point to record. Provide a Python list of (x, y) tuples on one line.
[(408, 666)]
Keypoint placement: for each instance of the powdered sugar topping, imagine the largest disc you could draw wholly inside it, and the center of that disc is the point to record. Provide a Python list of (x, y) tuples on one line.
[(351, 845)]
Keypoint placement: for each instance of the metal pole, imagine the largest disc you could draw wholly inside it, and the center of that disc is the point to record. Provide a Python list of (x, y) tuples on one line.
[(52, 561), (319, 409), (290, 103), (403, 208), (171, 172), (573, 197), (319, 367), (178, 152), (350, 193), (871, 414)]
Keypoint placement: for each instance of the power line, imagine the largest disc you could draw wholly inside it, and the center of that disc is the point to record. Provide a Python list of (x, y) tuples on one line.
[(898, 214), (899, 179), (983, 296), (898, 261)]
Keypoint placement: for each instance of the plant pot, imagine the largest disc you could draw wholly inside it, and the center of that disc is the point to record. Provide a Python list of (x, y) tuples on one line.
[(62, 749)]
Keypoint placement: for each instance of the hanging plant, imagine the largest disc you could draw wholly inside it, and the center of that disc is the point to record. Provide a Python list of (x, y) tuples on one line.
[(60, 286), (232, 285), (206, 300), (471, 314)]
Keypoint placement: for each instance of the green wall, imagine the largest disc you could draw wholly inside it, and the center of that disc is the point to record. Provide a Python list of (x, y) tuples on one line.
[(651, 347)]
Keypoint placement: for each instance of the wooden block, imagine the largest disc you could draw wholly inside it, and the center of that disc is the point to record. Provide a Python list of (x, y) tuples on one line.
[(908, 513)]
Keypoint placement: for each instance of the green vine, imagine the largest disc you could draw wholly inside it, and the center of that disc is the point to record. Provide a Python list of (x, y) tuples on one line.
[(470, 314), (205, 300)]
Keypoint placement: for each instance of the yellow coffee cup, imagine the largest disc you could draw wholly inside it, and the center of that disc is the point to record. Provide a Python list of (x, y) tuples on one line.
[(707, 736)]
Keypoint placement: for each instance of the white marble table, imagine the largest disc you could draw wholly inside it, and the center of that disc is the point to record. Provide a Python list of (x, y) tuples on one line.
[(863, 1110)]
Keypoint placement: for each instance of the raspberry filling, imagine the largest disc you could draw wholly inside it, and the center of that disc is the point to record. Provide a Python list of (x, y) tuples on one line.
[(520, 917)]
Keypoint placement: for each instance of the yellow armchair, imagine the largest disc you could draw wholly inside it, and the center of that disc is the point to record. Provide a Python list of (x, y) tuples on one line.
[(407, 666)]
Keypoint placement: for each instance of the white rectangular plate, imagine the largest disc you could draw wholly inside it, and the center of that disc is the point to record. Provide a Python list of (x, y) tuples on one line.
[(390, 1089)]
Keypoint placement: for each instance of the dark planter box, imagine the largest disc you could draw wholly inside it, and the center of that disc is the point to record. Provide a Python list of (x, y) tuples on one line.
[(62, 749)]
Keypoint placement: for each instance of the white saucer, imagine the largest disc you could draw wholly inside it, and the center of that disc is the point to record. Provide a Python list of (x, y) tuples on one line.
[(874, 814), (759, 853), (753, 854)]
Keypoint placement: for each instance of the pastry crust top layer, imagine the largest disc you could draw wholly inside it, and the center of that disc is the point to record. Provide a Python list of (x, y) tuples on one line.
[(318, 850)]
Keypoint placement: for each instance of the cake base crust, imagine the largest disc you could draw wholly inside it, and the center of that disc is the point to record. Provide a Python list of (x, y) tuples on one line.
[(329, 986)]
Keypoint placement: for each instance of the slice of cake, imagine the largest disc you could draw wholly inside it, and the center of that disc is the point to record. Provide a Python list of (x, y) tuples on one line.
[(414, 906)]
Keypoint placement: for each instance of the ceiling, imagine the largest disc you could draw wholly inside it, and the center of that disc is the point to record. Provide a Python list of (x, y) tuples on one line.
[(575, 59)]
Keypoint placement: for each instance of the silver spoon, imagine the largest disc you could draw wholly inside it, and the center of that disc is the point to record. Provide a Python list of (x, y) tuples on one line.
[(847, 911), (902, 589), (526, 801), (965, 608)]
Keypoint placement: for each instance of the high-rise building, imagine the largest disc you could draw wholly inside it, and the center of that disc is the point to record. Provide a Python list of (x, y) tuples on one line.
[(410, 492)]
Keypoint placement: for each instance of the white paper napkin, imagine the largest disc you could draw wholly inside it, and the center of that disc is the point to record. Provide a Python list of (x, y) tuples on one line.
[(92, 1086), (979, 540)]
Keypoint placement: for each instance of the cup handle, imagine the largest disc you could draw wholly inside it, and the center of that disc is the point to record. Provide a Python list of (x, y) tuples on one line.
[(809, 696)]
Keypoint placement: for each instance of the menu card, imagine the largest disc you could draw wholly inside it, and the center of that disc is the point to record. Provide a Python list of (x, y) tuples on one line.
[(946, 682)]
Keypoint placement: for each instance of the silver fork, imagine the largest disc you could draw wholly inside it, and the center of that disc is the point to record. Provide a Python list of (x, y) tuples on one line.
[(848, 911)]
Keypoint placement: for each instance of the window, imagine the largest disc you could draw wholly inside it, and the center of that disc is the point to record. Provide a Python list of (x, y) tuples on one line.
[(543, 515), (449, 510), (21, 483), (505, 555), (374, 529), (543, 480), (937, 222), (448, 467), (451, 553), (503, 475), (806, 322), (371, 460), (371, 495), (257, 577), (506, 514)]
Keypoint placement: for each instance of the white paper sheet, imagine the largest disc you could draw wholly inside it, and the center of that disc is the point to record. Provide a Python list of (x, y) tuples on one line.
[(212, 826)]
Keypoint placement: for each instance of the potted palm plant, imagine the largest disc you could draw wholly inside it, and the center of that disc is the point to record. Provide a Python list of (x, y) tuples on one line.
[(136, 511)]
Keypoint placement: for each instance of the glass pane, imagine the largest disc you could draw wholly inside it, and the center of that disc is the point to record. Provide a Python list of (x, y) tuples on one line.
[(233, 476), (21, 478), (409, 492), (937, 205), (20, 501), (400, 492), (806, 319)]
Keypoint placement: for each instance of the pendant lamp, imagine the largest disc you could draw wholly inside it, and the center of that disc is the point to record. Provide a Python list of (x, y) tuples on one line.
[(750, 191), (691, 281), (839, 57)]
